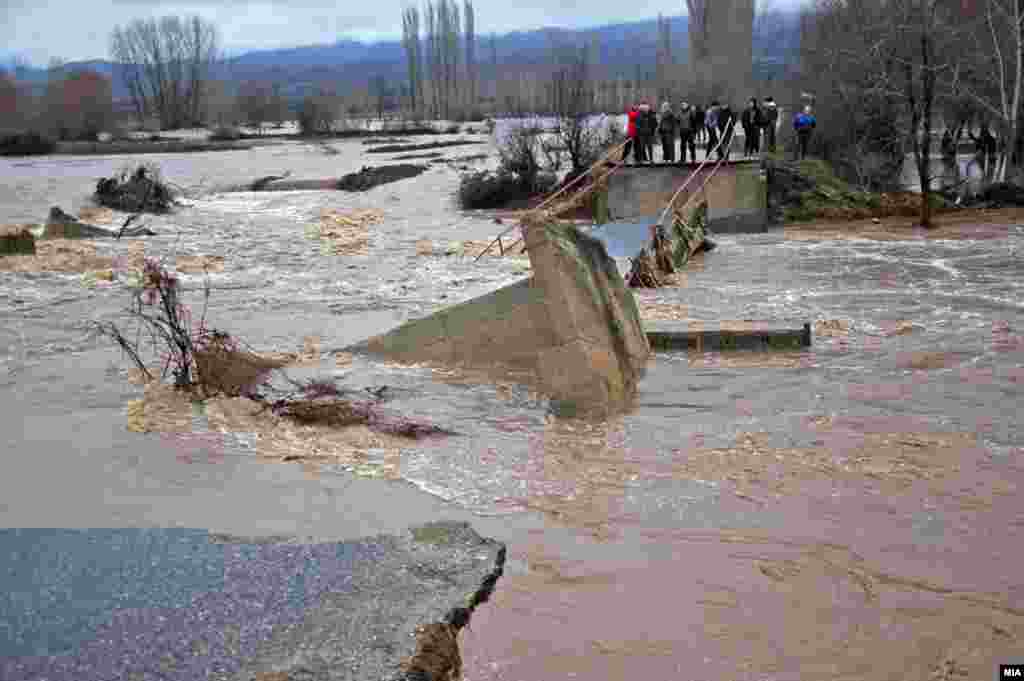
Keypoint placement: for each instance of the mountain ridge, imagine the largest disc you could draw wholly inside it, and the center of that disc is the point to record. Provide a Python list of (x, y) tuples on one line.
[(627, 49)]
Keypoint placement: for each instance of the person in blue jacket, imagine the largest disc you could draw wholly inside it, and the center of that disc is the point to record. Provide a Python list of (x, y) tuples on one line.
[(804, 124)]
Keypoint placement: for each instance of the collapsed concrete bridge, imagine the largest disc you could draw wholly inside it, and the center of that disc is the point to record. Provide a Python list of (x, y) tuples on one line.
[(574, 326)]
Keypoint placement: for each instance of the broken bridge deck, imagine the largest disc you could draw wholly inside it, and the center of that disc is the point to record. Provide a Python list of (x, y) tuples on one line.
[(727, 335)]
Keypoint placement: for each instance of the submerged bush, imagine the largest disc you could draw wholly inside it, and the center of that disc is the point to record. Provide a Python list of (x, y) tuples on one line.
[(26, 144), (135, 190), (225, 133), (489, 189)]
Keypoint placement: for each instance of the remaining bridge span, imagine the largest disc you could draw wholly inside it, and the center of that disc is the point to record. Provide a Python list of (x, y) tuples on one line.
[(737, 193)]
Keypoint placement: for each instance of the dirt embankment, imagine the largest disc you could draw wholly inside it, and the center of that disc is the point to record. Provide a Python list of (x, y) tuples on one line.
[(966, 223), (808, 191), (815, 204)]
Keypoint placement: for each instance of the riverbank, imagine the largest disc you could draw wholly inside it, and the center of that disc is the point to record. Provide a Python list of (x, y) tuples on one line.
[(809, 191), (959, 224)]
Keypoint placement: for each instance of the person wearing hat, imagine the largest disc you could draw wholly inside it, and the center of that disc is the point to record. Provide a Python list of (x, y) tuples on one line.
[(668, 126)]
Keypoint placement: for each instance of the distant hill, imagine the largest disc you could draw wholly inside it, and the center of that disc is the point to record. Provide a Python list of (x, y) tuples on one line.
[(626, 49)]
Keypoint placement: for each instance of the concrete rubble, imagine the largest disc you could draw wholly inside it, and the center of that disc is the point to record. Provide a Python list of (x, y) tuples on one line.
[(61, 225)]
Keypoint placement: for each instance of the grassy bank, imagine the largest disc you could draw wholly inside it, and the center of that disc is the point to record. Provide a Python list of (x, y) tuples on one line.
[(808, 191)]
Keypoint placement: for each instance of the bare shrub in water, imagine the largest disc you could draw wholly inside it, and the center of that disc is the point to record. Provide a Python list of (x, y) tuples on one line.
[(207, 362), (519, 176), (135, 189), (197, 357)]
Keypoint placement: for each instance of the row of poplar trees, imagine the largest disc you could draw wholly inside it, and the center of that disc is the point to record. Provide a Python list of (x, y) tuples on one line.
[(442, 78)]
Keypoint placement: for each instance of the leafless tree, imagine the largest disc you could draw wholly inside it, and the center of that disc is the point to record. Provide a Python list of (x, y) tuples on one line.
[(471, 70), (414, 57), (992, 75), (319, 112), (572, 101), (666, 65), (699, 40), (256, 104), (165, 64), (919, 34)]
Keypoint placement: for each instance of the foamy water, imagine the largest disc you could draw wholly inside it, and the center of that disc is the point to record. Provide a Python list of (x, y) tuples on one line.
[(615, 481)]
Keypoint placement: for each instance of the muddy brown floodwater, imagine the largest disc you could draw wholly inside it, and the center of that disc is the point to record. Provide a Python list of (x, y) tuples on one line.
[(853, 511)]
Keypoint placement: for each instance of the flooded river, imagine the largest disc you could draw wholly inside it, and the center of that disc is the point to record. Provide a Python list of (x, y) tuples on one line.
[(853, 510)]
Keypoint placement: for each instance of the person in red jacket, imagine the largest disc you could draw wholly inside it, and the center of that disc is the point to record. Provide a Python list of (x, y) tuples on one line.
[(631, 146)]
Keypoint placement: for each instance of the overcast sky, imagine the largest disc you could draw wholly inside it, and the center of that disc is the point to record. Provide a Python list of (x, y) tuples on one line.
[(38, 30)]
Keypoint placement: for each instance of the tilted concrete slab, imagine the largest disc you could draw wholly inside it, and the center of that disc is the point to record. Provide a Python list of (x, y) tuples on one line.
[(737, 195), (574, 325), (728, 335)]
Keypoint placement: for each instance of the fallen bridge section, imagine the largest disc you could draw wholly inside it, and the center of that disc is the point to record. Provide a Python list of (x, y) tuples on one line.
[(646, 251), (573, 326), (728, 335)]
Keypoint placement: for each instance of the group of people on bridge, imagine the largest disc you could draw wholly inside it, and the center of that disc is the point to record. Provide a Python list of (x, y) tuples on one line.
[(691, 125)]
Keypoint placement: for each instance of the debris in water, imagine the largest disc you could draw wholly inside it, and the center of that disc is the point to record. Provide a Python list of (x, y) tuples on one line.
[(91, 279), (643, 271), (17, 240), (831, 327), (135, 190), (900, 328), (370, 177), (401, 148), (58, 255), (472, 249), (96, 214), (193, 264), (345, 233), (650, 310), (61, 225)]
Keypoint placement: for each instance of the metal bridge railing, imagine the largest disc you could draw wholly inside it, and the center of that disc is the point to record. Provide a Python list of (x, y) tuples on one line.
[(536, 214)]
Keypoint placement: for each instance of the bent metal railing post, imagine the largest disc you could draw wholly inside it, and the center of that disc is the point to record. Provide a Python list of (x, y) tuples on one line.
[(669, 207), (537, 211)]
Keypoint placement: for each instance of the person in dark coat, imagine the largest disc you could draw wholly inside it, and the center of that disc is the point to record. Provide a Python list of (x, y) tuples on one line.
[(804, 124), (700, 130), (751, 121), (646, 128), (711, 126), (726, 118), (668, 127), (985, 148), (769, 122), (947, 146), (689, 121)]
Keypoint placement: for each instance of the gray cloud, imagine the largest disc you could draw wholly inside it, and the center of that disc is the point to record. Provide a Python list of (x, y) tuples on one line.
[(80, 29)]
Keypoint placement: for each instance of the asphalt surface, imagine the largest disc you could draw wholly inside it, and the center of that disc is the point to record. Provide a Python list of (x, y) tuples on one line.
[(175, 603)]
